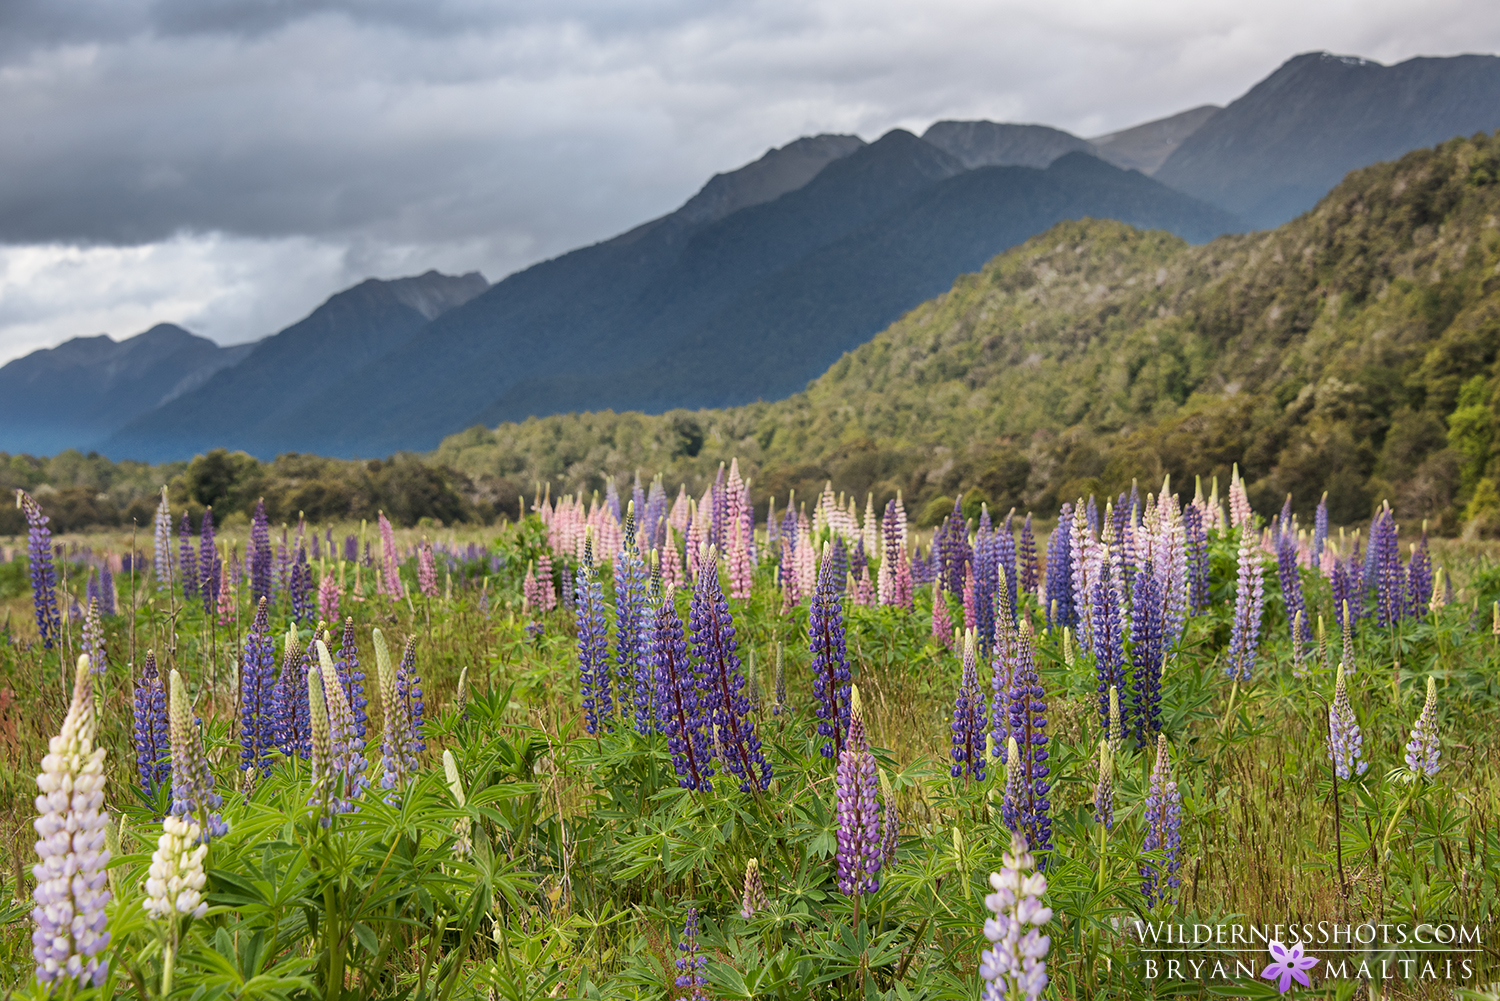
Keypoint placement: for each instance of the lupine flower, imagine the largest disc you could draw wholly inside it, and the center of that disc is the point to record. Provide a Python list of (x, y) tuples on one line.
[(398, 761), (347, 748), (1249, 596), (353, 678), (208, 562), (391, 567), (426, 570), (859, 848), (1320, 532), (162, 530), (1146, 643), (1114, 732), (692, 968), (193, 796), (1163, 819), (153, 742), (754, 898), (289, 700), (633, 666), (1028, 726), (259, 554), (980, 581), (1419, 579), (942, 623), (328, 598), (1060, 611), (593, 645), (43, 576), (1109, 651), (226, 600), (1291, 586), (187, 560), (1344, 740), (714, 645), (680, 701), (1424, 748), (1104, 789), (175, 881), (93, 637), (1384, 558), (409, 691), (323, 775), (968, 718), (830, 661), (301, 587), (1015, 965), (257, 690), (1026, 557), (71, 884), (890, 840), (953, 548)]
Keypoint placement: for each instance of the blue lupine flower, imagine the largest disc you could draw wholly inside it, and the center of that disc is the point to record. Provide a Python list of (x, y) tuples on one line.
[(43, 576), (1146, 643), (153, 740), (593, 645), (969, 718), (257, 690), (632, 667), (1028, 728), (1163, 819), (714, 645), (830, 660), (683, 705), (193, 796), (1109, 652), (1060, 611)]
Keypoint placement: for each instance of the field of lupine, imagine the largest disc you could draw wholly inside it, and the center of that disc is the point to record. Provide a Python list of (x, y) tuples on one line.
[(638, 747)]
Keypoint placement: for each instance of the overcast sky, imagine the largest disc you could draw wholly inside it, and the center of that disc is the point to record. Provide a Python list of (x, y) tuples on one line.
[(228, 164)]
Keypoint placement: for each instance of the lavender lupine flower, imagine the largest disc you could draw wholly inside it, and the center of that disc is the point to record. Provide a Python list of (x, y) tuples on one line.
[(1196, 539), (390, 563), (193, 796), (208, 562), (969, 718), (1291, 586), (714, 645), (692, 968), (153, 742), (257, 688), (754, 898), (71, 883), (1345, 593), (1249, 598), (347, 747), (1060, 610), (162, 531), (398, 761), (1320, 533), (859, 848), (187, 560), (259, 554), (593, 645), (1146, 643), (1425, 747), (1109, 652), (107, 590), (43, 576), (409, 691), (984, 570), (830, 661), (289, 706), (1028, 727), (1344, 740), (681, 702), (1104, 789), (1419, 579), (1163, 819), (1015, 965), (353, 679), (633, 667), (1026, 558)]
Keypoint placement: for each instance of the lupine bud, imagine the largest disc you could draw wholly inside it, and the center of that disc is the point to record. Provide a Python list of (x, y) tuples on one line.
[(1104, 790), (1425, 747), (755, 893), (1016, 963), (463, 826), (891, 839)]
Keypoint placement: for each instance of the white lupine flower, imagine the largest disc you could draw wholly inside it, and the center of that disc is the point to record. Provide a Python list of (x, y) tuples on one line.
[(176, 879)]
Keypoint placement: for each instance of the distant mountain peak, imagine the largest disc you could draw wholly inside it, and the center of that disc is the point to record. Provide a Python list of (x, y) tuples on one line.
[(1001, 144), (434, 293), (1145, 147), (780, 170)]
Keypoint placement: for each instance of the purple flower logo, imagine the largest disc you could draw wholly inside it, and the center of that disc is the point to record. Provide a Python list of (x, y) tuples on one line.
[(1289, 965)]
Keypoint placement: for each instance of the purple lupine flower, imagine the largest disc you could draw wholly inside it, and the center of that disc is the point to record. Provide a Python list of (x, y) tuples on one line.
[(1028, 728), (1320, 533), (985, 567), (257, 686), (398, 761), (353, 679), (208, 562), (1109, 652), (632, 666), (1163, 819), (153, 742), (351, 548), (969, 718), (754, 898), (1249, 598), (409, 691), (1060, 610), (1146, 644), (1196, 539), (289, 706), (259, 554), (953, 549), (426, 570), (1419, 579), (1026, 557), (187, 560), (107, 590), (859, 837), (162, 532), (682, 704), (1291, 587), (301, 587), (1344, 740), (1015, 965), (43, 576), (1005, 561), (714, 645), (193, 796), (1104, 789), (830, 660), (1345, 597), (890, 839), (593, 644), (859, 562), (1390, 579), (692, 967), (346, 746), (1002, 673), (1425, 747), (72, 888)]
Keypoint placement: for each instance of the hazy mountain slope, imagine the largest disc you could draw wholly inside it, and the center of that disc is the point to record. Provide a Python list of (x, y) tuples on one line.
[(997, 144), (75, 394), (242, 407), (1274, 152), (1145, 147), (773, 175), (769, 341), (1354, 350)]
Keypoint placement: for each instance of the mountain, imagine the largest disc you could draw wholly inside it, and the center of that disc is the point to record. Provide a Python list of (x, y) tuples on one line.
[(1274, 152), (75, 394), (995, 144), (773, 175), (1145, 147), (1354, 350), (248, 406)]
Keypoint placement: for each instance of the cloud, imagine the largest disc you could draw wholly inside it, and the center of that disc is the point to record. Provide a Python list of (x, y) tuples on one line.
[(469, 134)]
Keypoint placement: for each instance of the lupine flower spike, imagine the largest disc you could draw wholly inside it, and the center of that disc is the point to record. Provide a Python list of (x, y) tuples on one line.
[(71, 891), (43, 576), (692, 967), (755, 893), (153, 746), (1344, 740), (859, 847), (1015, 965), (968, 718), (193, 796), (1163, 829), (1104, 790), (1424, 748)]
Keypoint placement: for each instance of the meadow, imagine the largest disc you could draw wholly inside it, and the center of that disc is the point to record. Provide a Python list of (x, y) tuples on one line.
[(637, 747)]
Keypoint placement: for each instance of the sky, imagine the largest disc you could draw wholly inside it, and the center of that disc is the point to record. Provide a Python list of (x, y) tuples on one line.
[(229, 164)]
